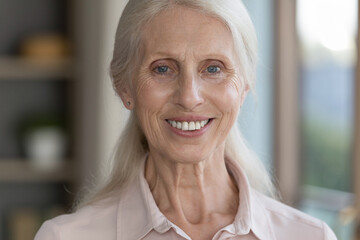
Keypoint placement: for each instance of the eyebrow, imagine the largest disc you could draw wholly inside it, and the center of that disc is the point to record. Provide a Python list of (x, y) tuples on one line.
[(173, 56), (164, 55)]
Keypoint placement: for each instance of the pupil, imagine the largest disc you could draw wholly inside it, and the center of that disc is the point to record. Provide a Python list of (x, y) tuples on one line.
[(162, 69), (212, 69)]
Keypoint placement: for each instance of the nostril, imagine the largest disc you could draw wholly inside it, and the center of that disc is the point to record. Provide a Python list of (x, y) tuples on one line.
[(189, 98)]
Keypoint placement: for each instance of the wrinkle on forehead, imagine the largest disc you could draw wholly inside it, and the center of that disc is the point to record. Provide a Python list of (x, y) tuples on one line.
[(178, 32)]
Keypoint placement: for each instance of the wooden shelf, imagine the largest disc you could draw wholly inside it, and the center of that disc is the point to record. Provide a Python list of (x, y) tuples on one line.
[(19, 170), (35, 69)]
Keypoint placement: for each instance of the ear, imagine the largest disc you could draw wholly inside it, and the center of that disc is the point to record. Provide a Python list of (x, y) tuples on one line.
[(244, 94), (126, 97)]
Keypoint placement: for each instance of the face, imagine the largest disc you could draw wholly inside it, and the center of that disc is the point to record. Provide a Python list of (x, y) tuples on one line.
[(186, 92)]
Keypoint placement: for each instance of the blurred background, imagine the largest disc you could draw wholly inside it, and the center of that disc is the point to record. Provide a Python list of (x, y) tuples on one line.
[(60, 118)]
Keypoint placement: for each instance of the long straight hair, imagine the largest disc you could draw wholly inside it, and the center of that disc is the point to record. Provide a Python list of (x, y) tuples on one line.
[(132, 145)]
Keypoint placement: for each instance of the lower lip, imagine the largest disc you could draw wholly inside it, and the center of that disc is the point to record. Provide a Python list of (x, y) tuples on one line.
[(194, 133)]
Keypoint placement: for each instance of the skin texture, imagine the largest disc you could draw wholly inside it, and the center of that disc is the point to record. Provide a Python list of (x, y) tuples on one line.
[(187, 174)]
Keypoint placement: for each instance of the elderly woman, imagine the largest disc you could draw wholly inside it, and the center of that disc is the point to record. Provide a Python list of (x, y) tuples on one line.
[(181, 171)]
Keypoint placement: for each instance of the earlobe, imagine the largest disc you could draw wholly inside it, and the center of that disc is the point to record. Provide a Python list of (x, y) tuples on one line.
[(126, 98), (129, 105)]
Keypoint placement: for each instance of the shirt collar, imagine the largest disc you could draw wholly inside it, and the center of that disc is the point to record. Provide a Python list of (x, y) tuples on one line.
[(134, 218), (251, 214), (138, 213)]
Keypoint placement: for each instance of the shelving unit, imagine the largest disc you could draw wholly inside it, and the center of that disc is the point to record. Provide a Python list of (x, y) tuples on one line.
[(20, 170), (31, 87), (15, 68)]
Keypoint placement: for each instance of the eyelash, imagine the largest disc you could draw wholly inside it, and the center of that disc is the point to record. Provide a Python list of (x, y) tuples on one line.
[(168, 69)]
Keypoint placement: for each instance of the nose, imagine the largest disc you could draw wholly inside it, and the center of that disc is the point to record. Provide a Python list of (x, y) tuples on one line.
[(188, 95)]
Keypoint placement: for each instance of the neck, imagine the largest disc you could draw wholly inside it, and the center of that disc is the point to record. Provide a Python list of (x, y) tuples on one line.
[(192, 193)]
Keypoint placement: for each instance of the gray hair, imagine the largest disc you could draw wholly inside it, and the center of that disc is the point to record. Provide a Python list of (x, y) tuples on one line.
[(132, 145)]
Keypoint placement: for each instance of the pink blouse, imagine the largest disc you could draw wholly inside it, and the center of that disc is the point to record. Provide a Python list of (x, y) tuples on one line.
[(136, 216)]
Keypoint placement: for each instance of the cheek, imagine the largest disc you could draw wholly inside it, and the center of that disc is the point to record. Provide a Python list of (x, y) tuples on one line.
[(150, 95), (151, 100), (228, 96)]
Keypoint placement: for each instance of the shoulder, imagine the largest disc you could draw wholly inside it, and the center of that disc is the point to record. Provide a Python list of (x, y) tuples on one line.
[(89, 222), (289, 222)]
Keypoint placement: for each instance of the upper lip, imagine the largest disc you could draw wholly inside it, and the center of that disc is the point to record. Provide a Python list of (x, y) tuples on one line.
[(192, 118)]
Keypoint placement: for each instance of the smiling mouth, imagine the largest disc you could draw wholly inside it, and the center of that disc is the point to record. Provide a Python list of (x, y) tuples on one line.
[(189, 126)]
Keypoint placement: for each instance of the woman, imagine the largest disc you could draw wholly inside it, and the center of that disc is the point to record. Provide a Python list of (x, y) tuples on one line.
[(183, 68)]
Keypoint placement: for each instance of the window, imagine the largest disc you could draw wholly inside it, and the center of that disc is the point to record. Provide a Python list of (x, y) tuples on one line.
[(326, 33)]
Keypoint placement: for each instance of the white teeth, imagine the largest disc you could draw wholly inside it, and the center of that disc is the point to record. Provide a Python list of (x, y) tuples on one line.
[(191, 126), (188, 126)]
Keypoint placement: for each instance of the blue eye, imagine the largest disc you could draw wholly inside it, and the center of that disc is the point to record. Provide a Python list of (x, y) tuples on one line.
[(213, 69), (162, 69)]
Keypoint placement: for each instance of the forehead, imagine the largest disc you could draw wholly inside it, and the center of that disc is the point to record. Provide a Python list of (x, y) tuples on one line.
[(180, 29)]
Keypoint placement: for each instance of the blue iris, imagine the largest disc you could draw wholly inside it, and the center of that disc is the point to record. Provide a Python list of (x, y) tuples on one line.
[(213, 69), (162, 69)]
